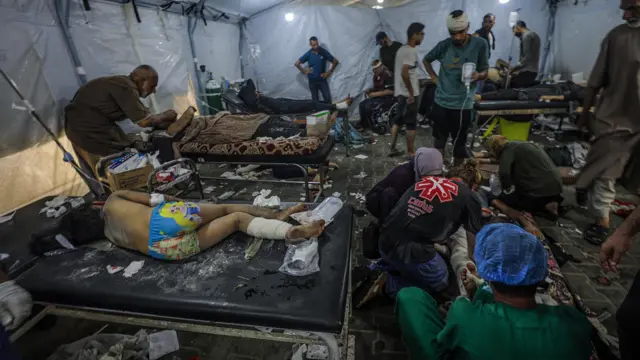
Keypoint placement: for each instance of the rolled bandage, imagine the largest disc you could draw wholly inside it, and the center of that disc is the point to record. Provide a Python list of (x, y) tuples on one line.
[(268, 229), (457, 24), (156, 199)]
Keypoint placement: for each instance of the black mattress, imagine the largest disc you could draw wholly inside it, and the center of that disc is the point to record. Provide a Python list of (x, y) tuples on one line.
[(317, 157), (16, 234), (205, 287), (520, 105)]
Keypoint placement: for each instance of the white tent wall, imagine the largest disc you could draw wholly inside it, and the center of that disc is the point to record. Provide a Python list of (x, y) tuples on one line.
[(580, 30), (348, 33), (109, 41), (33, 54), (218, 47)]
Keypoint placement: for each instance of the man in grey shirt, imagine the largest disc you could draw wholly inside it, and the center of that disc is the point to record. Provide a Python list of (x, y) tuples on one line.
[(524, 74)]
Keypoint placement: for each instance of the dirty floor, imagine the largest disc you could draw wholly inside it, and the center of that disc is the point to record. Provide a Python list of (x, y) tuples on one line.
[(375, 329)]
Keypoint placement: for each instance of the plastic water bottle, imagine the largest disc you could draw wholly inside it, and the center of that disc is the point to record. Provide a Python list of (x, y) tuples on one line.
[(327, 209), (495, 185)]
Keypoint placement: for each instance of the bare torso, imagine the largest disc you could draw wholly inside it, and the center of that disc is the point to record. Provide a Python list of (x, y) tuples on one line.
[(127, 224)]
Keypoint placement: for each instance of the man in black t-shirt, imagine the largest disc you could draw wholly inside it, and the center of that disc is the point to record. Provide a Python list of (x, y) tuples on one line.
[(388, 50), (427, 214)]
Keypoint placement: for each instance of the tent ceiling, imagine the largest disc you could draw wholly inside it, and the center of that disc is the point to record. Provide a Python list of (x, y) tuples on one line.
[(250, 7)]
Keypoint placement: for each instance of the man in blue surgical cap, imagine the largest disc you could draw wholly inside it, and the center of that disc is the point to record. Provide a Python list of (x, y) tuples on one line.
[(503, 320)]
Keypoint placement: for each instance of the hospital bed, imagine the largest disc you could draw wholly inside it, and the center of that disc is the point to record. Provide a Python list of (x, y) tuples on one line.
[(235, 104), (309, 152), (518, 107), (216, 292)]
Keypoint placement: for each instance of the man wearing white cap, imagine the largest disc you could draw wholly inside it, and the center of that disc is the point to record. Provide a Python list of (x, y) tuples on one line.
[(451, 113)]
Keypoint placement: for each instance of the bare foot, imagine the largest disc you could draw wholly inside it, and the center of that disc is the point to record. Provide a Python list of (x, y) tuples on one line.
[(304, 232), (467, 281), (284, 214)]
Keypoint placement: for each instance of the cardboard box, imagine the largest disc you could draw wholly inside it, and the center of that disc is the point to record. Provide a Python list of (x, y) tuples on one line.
[(129, 180)]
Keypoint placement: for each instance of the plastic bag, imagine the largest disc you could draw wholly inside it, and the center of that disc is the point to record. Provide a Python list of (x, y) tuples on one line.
[(301, 259)]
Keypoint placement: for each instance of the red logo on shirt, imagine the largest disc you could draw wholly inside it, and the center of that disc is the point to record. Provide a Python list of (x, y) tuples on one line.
[(431, 187)]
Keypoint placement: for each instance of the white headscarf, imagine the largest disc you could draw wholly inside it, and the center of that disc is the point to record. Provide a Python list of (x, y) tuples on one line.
[(457, 24)]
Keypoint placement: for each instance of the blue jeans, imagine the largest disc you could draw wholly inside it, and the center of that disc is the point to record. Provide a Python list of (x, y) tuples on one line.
[(320, 85), (431, 276)]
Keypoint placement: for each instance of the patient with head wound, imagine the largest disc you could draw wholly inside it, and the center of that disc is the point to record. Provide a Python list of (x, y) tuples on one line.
[(170, 229)]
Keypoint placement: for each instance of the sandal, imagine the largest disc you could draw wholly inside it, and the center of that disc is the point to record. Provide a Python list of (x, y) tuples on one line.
[(596, 234)]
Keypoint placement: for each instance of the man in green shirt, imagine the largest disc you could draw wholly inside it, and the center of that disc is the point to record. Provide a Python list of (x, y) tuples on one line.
[(530, 180), (451, 113), (503, 321)]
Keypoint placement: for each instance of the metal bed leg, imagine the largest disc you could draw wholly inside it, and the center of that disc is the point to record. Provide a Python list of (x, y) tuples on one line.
[(345, 128), (332, 344), (305, 174), (321, 170), (30, 324)]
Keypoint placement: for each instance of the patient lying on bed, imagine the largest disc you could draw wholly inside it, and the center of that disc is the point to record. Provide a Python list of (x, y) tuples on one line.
[(264, 104), (566, 91), (226, 128), (170, 229)]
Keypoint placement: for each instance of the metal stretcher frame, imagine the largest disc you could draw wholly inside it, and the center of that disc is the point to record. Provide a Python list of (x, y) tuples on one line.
[(190, 164), (341, 346), (541, 111)]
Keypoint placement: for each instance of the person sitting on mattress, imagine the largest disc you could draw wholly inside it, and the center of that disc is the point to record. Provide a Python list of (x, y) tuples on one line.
[(530, 181), (385, 194), (513, 262), (427, 214), (278, 106), (166, 228)]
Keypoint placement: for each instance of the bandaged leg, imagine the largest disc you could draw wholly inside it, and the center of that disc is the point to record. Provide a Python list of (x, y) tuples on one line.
[(268, 229), (459, 256)]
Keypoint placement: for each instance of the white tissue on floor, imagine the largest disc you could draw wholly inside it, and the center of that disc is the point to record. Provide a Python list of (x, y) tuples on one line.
[(362, 175), (163, 343), (263, 200), (112, 269), (226, 195), (360, 156), (133, 268)]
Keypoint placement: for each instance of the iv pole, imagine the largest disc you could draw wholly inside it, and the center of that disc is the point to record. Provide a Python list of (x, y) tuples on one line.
[(67, 157)]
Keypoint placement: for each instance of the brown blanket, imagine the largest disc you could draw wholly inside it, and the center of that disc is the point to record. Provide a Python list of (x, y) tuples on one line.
[(222, 128)]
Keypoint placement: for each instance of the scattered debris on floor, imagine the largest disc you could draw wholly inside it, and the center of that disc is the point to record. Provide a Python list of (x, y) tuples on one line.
[(359, 197), (133, 268), (208, 189), (263, 200), (240, 192), (362, 157), (226, 195), (163, 343), (253, 248), (317, 352), (362, 175), (336, 194), (112, 269)]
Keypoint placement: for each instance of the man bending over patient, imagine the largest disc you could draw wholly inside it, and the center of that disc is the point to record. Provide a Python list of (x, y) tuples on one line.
[(170, 229)]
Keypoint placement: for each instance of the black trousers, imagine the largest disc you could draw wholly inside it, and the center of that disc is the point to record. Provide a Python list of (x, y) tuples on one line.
[(628, 317), (275, 127), (291, 106), (524, 79), (317, 86), (368, 107), (452, 123)]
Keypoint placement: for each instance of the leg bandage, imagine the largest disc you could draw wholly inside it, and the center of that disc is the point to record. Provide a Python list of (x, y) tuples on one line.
[(268, 229)]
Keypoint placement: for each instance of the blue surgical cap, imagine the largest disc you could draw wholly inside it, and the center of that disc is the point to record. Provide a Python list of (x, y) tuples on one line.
[(507, 254)]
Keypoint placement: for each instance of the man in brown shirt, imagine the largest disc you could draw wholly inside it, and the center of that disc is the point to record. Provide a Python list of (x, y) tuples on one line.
[(90, 118), (616, 125)]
